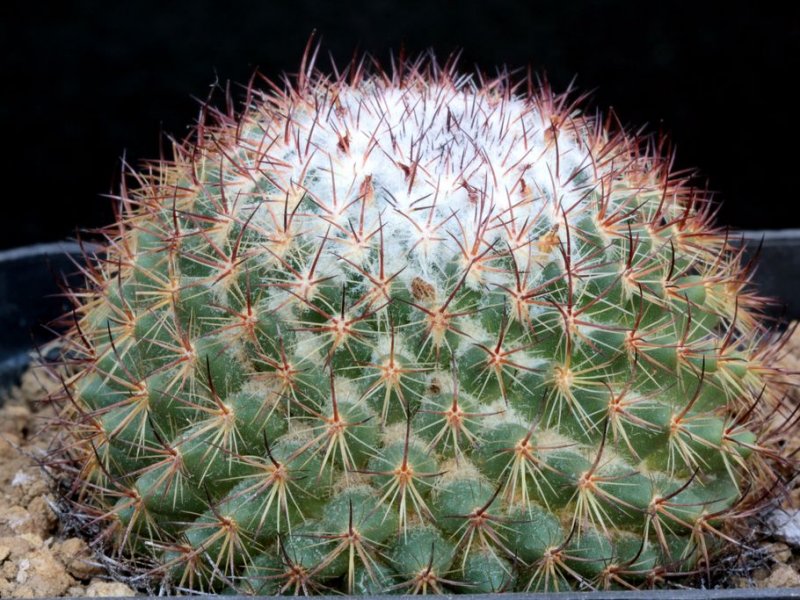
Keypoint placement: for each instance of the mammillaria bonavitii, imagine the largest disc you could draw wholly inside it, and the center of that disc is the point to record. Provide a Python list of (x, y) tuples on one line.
[(412, 332)]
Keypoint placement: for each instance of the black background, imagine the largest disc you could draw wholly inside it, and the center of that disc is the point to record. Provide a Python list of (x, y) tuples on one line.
[(86, 82)]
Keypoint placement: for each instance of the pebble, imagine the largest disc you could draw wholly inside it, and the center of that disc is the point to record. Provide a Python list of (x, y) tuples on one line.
[(108, 589), (785, 526), (783, 576)]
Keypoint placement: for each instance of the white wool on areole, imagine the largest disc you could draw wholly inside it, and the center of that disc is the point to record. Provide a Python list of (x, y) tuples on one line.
[(481, 168)]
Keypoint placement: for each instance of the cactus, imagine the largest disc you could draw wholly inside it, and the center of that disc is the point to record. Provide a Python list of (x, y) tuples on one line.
[(405, 332)]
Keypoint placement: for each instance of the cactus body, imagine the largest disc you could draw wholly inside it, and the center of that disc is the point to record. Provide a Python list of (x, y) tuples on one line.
[(408, 333)]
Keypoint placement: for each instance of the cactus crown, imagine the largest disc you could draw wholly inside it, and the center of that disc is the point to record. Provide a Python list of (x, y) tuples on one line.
[(411, 332)]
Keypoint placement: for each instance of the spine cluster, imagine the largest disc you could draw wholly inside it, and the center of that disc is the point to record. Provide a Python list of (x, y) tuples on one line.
[(409, 332)]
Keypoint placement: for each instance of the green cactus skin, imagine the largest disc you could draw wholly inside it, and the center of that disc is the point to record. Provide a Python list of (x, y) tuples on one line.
[(405, 333)]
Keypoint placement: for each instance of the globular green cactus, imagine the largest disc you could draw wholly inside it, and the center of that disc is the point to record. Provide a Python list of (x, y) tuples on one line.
[(386, 332)]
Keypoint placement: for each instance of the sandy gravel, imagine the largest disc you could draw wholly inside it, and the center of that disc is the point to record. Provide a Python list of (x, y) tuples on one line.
[(36, 558)]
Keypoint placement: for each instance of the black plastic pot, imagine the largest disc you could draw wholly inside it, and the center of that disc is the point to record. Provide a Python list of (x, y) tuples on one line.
[(29, 298)]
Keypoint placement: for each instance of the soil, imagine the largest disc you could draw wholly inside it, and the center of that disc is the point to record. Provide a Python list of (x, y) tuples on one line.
[(37, 556), (41, 557)]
